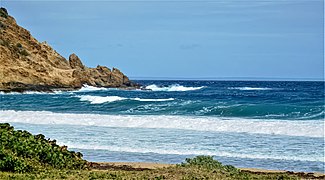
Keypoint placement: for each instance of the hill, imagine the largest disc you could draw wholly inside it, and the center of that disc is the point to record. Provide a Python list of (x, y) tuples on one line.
[(26, 64)]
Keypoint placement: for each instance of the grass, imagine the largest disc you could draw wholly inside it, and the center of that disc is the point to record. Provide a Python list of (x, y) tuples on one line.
[(177, 172), (26, 156)]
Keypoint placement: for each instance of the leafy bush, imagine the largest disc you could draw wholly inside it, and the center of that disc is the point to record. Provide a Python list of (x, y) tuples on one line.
[(20, 151), (19, 45), (3, 12), (4, 43), (203, 161), (11, 163), (20, 49), (24, 52), (2, 26), (207, 162)]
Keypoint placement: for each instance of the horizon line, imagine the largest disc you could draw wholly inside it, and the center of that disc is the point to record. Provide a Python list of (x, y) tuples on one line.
[(225, 78)]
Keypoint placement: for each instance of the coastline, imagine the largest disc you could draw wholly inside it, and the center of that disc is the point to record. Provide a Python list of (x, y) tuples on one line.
[(141, 166), (21, 88), (303, 131)]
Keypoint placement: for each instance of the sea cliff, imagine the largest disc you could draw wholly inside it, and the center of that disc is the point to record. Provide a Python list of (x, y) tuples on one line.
[(27, 64)]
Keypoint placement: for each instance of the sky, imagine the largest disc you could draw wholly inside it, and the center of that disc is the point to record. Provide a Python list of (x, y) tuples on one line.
[(243, 39)]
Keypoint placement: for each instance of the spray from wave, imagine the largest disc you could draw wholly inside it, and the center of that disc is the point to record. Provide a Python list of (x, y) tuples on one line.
[(87, 88), (175, 87), (106, 99)]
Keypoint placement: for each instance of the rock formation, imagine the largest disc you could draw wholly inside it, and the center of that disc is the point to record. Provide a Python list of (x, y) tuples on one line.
[(26, 64)]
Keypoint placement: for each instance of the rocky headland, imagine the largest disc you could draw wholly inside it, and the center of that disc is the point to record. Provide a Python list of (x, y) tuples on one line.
[(28, 65)]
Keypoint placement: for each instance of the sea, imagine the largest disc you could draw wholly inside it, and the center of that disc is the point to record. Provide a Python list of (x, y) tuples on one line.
[(276, 125)]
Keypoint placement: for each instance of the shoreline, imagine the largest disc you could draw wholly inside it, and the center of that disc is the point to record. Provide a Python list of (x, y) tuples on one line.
[(51, 89), (141, 166)]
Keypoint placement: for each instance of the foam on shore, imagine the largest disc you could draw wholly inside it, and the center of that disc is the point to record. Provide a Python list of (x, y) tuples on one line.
[(129, 149)]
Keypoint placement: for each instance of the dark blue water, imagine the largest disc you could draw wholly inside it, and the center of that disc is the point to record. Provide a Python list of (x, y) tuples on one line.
[(276, 100), (273, 125)]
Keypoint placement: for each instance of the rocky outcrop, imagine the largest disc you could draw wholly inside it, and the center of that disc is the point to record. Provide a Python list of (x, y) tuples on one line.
[(75, 62), (26, 64)]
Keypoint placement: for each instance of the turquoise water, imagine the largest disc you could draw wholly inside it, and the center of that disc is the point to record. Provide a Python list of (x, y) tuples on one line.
[(273, 125)]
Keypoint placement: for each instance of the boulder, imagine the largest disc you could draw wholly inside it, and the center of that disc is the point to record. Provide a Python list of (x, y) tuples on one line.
[(75, 62)]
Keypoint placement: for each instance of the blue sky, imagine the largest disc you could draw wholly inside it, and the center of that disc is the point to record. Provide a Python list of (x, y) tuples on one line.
[(184, 39)]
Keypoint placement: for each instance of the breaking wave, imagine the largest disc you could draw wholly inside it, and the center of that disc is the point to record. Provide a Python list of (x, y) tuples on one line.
[(306, 128), (87, 88), (175, 87), (105, 99), (152, 100), (251, 88), (100, 99), (31, 93)]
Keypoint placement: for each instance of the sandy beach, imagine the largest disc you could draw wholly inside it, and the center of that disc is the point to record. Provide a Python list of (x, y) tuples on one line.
[(152, 166)]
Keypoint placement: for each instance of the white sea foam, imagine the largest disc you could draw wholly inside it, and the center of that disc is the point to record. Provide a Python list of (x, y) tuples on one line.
[(152, 100), (31, 92), (87, 88), (100, 99), (251, 88), (307, 128), (11, 93), (190, 152), (317, 115), (175, 87), (105, 99)]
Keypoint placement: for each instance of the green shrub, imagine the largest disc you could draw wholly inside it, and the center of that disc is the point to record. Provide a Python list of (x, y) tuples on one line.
[(13, 164), (18, 48), (18, 45), (20, 151), (207, 162), (3, 12), (202, 161), (24, 52), (2, 26), (4, 43)]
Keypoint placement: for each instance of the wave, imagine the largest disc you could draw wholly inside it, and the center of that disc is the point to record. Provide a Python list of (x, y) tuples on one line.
[(87, 88), (32, 92), (307, 128), (320, 115), (189, 152), (101, 99), (251, 88), (152, 100), (175, 87)]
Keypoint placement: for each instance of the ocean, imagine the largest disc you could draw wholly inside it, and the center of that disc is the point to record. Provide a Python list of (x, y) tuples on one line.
[(255, 124)]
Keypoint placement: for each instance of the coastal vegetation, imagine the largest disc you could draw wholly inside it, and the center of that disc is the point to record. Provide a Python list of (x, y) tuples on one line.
[(3, 13), (27, 156), (20, 151)]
